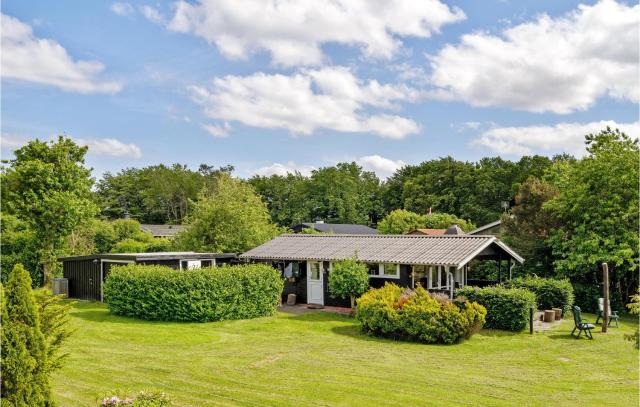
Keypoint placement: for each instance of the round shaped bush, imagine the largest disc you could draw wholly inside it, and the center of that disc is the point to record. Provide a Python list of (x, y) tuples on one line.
[(208, 294), (349, 279), (416, 315)]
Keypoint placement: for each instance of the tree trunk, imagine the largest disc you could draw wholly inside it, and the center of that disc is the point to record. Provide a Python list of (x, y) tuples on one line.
[(48, 268), (353, 301), (48, 264)]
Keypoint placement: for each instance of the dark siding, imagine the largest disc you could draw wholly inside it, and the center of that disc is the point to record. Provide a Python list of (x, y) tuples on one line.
[(84, 279), (107, 266), (223, 261), (403, 281), (328, 300), (297, 287)]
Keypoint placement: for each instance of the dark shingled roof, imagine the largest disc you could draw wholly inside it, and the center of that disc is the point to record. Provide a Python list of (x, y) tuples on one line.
[(341, 228), (163, 230), (452, 250)]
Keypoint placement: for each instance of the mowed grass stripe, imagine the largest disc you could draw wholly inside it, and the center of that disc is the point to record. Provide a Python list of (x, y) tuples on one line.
[(322, 359)]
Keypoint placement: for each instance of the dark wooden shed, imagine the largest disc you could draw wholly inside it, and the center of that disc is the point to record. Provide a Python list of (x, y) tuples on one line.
[(85, 274)]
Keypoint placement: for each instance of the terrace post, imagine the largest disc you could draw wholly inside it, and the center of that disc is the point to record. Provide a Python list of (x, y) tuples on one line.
[(605, 295)]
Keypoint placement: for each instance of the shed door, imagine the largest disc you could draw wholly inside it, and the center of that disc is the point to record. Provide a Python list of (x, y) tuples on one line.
[(315, 283)]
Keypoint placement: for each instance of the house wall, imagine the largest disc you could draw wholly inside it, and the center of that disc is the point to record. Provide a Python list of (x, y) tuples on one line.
[(298, 286), (403, 281), (84, 279)]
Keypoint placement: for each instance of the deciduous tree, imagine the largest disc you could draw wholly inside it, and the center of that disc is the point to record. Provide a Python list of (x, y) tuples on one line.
[(228, 217), (48, 187)]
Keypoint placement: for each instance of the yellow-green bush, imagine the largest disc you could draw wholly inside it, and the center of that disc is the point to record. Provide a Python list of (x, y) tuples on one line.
[(392, 311), (208, 294)]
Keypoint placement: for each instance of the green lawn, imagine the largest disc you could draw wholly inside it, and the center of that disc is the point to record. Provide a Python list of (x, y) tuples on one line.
[(322, 359)]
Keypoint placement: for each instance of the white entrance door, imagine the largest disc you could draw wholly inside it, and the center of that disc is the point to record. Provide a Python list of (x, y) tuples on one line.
[(315, 284)]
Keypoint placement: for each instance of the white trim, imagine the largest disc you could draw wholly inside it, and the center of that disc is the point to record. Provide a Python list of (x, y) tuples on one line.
[(321, 276), (476, 252), (102, 261), (387, 276), (509, 250)]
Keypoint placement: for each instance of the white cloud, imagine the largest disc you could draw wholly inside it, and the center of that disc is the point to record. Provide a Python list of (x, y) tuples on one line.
[(28, 58), (217, 131), (152, 14), (122, 9), (97, 146), (551, 64), (383, 167), (283, 169), (294, 31), (11, 142), (110, 146), (331, 98), (562, 137)]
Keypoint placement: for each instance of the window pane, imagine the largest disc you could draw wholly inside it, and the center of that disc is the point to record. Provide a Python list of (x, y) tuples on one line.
[(390, 270), (373, 269), (314, 269)]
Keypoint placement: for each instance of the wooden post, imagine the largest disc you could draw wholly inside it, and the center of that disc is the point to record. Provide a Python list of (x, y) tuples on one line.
[(605, 296), (531, 320)]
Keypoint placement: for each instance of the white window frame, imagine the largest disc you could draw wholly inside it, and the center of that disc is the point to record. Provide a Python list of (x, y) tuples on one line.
[(320, 269), (381, 272), (190, 260), (213, 262)]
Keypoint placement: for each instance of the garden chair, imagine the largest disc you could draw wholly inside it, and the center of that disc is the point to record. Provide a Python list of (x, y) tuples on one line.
[(581, 324), (613, 315)]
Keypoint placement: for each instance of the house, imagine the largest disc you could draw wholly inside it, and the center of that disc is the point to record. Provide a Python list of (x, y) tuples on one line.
[(427, 232), (493, 228), (451, 230), (438, 263), (337, 228), (166, 231), (85, 274)]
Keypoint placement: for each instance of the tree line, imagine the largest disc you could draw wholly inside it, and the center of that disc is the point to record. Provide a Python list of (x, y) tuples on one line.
[(565, 215)]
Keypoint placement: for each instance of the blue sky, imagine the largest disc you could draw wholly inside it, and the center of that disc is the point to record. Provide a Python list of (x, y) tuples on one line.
[(299, 85)]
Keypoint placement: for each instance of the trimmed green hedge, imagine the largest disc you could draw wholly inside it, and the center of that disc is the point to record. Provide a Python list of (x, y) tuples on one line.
[(507, 308), (208, 294), (550, 293), (396, 312)]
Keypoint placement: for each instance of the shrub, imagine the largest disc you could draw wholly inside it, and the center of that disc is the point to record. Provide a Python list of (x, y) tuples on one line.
[(395, 312), (209, 294), (142, 399), (54, 320), (24, 349), (550, 293), (348, 278), (507, 308), (634, 308)]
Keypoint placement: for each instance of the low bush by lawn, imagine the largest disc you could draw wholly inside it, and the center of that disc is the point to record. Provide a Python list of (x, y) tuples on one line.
[(507, 308), (550, 292), (319, 358), (393, 311), (208, 294)]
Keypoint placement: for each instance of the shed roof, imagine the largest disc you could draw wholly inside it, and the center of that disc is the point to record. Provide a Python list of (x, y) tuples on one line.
[(452, 250), (162, 230), (150, 256), (341, 228), (485, 227)]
